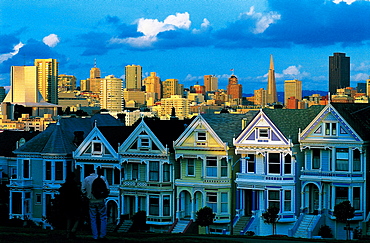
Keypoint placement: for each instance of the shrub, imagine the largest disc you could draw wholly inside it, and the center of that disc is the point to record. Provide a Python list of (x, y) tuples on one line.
[(325, 231)]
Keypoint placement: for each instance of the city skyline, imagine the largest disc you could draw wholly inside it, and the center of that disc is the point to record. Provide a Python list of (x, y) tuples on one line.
[(187, 41)]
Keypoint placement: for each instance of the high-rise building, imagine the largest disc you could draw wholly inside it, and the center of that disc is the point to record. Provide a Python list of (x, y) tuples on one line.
[(111, 96), (292, 88), (47, 79), (2, 94), (66, 82), (153, 86), (234, 90), (133, 77), (260, 97), (368, 87), (210, 83), (271, 84), (339, 72), (180, 105), (171, 87)]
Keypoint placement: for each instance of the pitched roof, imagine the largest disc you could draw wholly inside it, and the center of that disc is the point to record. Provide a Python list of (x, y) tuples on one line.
[(289, 121), (116, 134), (226, 125), (58, 137), (9, 139), (357, 115)]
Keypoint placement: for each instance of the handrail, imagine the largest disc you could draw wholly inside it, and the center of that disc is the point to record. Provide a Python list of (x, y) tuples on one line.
[(292, 230), (315, 225), (187, 226), (173, 226), (248, 224)]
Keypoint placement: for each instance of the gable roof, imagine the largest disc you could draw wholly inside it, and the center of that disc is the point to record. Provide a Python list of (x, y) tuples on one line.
[(116, 134), (357, 115), (58, 137), (289, 121), (225, 125), (9, 139)]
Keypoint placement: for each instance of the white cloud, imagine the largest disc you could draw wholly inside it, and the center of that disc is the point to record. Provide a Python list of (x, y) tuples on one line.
[(152, 27), (364, 66), (6, 56), (346, 1), (360, 77), (51, 40), (203, 27), (263, 20), (190, 77)]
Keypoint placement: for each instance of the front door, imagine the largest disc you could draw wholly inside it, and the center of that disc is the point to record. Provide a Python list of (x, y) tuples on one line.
[(313, 199)]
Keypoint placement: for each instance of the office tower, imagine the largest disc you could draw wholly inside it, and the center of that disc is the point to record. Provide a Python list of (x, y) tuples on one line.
[(292, 88), (111, 96), (171, 87), (271, 84), (368, 87), (153, 86), (47, 79), (133, 77), (339, 72), (260, 97), (66, 82), (95, 72), (181, 105), (234, 90), (210, 83), (2, 94)]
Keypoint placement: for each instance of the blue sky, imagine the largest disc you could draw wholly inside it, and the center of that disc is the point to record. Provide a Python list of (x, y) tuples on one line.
[(186, 39)]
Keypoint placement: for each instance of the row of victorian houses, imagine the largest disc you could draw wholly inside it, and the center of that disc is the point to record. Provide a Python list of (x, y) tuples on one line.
[(302, 161)]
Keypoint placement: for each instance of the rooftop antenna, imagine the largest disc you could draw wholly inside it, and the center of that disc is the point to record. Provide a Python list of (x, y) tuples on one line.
[(232, 71), (95, 63), (329, 98)]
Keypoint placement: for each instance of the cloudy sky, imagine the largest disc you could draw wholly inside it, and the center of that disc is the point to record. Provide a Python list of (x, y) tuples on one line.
[(186, 39)]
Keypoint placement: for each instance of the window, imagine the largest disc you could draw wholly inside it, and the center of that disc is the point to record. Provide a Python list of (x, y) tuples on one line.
[(341, 162), (48, 170), (201, 136), (59, 170), (166, 172), (97, 148), (211, 163), (223, 167), (250, 163), (341, 194), (134, 171), (144, 143), (330, 129), (26, 169), (263, 133), (38, 198), (117, 176), (288, 164), (315, 158), (191, 167), (153, 171), (154, 205), (166, 205), (212, 201), (273, 199), (274, 163), (356, 198), (224, 202), (288, 200), (16, 202), (356, 160)]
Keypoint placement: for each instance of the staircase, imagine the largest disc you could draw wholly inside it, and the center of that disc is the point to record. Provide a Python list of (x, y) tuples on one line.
[(180, 226), (304, 226), (240, 225), (124, 226)]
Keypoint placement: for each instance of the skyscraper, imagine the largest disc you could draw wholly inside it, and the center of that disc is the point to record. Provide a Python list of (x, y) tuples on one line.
[(66, 82), (292, 88), (133, 78), (47, 79), (234, 90), (339, 72), (271, 96), (111, 96), (153, 86), (210, 83), (171, 87)]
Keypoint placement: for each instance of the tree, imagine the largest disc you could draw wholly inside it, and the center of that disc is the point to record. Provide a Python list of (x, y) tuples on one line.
[(205, 217), (271, 217), (344, 212)]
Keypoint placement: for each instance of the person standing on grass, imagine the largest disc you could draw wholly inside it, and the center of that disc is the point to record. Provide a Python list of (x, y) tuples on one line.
[(97, 207), (70, 196)]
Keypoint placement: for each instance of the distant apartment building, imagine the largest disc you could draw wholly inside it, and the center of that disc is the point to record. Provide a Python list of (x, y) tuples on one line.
[(133, 77), (47, 79), (181, 106), (210, 83), (368, 87), (26, 123), (292, 88), (171, 87), (93, 82), (66, 82), (260, 97), (133, 98), (339, 72), (111, 96), (2, 93), (153, 86), (234, 89)]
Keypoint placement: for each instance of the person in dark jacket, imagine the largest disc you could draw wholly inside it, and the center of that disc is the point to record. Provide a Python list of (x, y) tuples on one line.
[(71, 200)]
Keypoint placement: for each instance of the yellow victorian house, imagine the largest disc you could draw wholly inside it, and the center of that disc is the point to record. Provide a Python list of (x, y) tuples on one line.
[(205, 157)]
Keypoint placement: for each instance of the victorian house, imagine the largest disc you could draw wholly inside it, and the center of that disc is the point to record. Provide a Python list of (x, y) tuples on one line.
[(205, 156), (269, 168), (335, 168)]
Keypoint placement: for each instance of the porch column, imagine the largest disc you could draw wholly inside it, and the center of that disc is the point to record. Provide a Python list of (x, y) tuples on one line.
[(254, 200), (320, 202), (178, 206), (192, 207)]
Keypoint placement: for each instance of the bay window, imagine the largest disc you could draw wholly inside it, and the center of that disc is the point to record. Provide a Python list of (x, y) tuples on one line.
[(273, 198), (274, 163), (211, 164), (341, 162), (212, 201), (153, 170), (190, 167)]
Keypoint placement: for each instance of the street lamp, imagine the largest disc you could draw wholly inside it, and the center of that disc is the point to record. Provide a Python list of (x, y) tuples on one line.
[(233, 194)]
